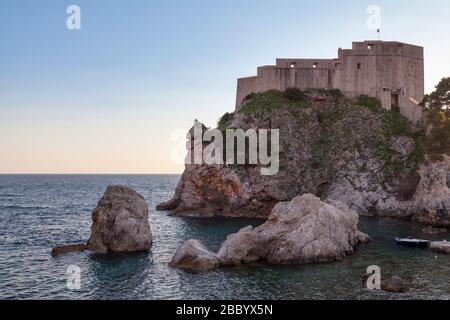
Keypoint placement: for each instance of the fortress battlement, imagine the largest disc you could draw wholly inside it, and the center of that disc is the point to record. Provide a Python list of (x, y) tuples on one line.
[(391, 71)]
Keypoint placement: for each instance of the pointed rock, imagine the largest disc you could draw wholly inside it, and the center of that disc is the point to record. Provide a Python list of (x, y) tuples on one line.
[(120, 222)]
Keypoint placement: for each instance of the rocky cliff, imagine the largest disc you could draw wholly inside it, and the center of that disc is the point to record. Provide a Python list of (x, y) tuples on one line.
[(336, 148)]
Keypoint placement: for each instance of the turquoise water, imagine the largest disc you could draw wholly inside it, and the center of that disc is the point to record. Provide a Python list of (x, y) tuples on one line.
[(39, 212)]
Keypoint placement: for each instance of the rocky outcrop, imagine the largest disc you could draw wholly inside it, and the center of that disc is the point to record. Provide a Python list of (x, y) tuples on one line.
[(56, 251), (193, 256), (304, 230), (212, 191), (330, 146), (120, 222), (431, 203), (394, 284), (440, 246), (431, 230)]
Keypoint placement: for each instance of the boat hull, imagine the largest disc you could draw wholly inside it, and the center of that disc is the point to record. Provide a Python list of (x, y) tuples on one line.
[(412, 243)]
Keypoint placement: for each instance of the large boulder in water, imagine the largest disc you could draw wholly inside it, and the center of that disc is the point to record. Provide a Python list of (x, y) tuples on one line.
[(193, 256), (304, 230), (120, 222)]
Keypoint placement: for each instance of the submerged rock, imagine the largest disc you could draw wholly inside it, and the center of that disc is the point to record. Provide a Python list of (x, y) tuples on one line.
[(394, 284), (120, 222), (304, 230), (440, 246), (193, 256), (56, 251)]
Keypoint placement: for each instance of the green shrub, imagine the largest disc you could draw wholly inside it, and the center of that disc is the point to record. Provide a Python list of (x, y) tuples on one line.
[(249, 96), (437, 103), (396, 125), (336, 93), (418, 154), (225, 121), (294, 94), (270, 100), (438, 141), (369, 102)]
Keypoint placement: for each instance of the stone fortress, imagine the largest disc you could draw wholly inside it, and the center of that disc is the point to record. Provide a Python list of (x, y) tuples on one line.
[(393, 72)]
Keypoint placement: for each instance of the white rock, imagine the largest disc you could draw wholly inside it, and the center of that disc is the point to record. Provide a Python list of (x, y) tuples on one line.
[(120, 222), (304, 230), (193, 256), (440, 246)]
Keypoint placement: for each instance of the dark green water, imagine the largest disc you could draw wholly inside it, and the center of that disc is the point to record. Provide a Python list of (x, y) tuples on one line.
[(39, 212)]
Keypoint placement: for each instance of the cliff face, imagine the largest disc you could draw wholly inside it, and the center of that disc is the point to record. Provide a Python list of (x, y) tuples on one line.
[(330, 146)]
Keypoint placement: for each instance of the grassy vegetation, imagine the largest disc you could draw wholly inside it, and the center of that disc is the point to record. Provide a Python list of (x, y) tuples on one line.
[(336, 93), (249, 97), (369, 102), (433, 145), (294, 94), (274, 99), (436, 143), (322, 151), (418, 154), (396, 125)]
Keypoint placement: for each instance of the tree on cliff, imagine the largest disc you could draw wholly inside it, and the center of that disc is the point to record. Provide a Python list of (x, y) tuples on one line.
[(438, 105), (439, 100)]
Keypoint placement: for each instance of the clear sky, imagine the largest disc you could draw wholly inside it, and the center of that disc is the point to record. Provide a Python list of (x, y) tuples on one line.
[(108, 97)]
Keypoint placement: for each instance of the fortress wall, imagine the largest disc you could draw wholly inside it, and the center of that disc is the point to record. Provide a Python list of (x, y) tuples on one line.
[(402, 74), (414, 88), (359, 75), (374, 68), (302, 78), (245, 86), (306, 63), (271, 77), (312, 78)]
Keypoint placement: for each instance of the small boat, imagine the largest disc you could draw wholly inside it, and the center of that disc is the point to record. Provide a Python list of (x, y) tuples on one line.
[(410, 242)]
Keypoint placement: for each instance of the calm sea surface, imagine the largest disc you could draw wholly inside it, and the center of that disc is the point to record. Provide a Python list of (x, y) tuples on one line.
[(38, 212)]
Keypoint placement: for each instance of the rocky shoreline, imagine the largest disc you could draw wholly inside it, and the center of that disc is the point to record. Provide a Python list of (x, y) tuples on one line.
[(305, 230), (339, 160), (334, 148)]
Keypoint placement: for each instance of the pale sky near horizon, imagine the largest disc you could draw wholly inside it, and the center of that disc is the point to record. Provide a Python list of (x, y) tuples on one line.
[(107, 98)]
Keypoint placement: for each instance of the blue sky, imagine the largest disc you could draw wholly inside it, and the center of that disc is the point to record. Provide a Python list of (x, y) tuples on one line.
[(107, 98)]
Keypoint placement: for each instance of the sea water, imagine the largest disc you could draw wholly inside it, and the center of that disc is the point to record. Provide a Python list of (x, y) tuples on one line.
[(38, 212)]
